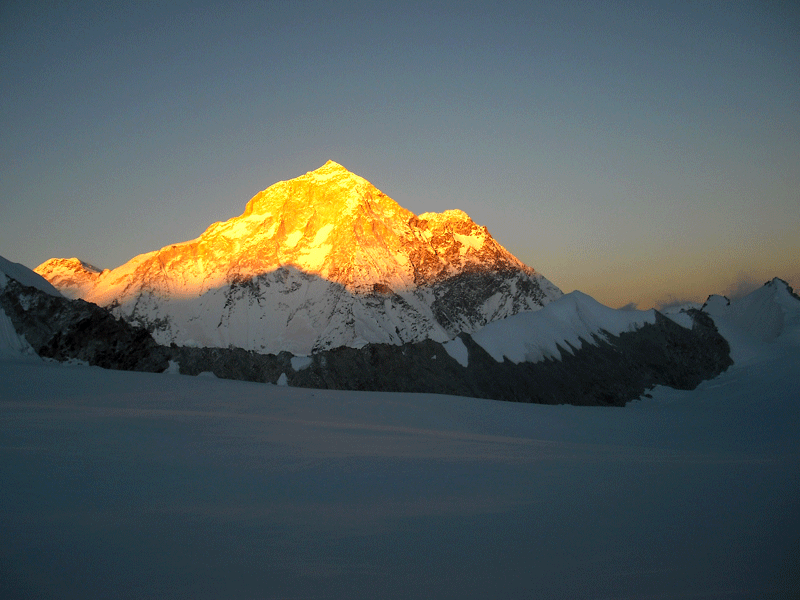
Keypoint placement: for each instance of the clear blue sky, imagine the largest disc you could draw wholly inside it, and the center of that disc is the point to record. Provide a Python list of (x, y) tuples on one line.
[(638, 151)]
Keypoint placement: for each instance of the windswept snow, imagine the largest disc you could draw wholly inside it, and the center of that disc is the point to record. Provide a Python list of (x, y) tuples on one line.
[(173, 486), (458, 351), (25, 276), (565, 322), (760, 324)]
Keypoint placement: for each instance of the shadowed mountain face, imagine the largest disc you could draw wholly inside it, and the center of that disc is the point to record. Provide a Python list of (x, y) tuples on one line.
[(317, 262), (596, 368)]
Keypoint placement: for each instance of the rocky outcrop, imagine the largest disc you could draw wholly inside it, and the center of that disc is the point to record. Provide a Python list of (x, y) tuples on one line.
[(64, 329)]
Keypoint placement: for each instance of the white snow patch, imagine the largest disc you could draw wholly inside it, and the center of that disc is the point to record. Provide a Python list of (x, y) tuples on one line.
[(681, 318), (458, 351), (271, 231), (174, 368), (533, 336), (12, 345), (301, 362), (469, 241), (282, 380)]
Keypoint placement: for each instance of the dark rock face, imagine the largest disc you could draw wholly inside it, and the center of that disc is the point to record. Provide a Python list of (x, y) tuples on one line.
[(63, 329), (459, 299)]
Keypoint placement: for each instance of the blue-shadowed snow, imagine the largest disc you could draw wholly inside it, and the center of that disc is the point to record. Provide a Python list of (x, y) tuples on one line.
[(24, 276), (760, 324), (12, 345), (301, 362), (176, 486), (533, 336), (458, 351)]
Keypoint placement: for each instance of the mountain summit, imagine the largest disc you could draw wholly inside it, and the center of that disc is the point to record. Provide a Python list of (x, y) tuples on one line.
[(316, 262)]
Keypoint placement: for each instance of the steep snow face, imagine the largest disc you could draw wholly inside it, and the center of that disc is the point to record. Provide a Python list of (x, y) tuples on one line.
[(71, 276), (567, 322), (25, 276), (764, 322), (13, 345), (316, 262)]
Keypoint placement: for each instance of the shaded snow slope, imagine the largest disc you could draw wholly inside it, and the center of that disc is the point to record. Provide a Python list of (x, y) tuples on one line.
[(12, 344), (35, 320), (567, 322), (319, 261), (172, 486), (25, 276), (759, 324)]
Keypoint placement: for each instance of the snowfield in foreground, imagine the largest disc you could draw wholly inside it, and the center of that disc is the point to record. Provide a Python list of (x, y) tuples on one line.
[(119, 484)]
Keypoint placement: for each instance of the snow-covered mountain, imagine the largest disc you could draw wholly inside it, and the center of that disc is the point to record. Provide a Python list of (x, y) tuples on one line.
[(73, 277), (763, 322), (316, 262), (36, 320)]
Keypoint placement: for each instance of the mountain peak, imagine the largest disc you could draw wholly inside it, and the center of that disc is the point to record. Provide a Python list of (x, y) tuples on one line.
[(73, 264), (332, 165), (321, 260), (71, 276), (331, 185)]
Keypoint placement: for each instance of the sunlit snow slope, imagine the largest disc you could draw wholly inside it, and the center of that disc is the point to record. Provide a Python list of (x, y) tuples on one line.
[(319, 261)]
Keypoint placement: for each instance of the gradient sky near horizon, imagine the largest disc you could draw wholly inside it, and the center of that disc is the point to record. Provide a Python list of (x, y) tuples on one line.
[(642, 152)]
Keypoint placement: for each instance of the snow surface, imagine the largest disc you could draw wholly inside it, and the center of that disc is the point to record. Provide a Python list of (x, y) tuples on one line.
[(173, 486), (12, 345), (156, 485), (533, 336), (24, 276), (458, 351), (301, 362), (760, 324)]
